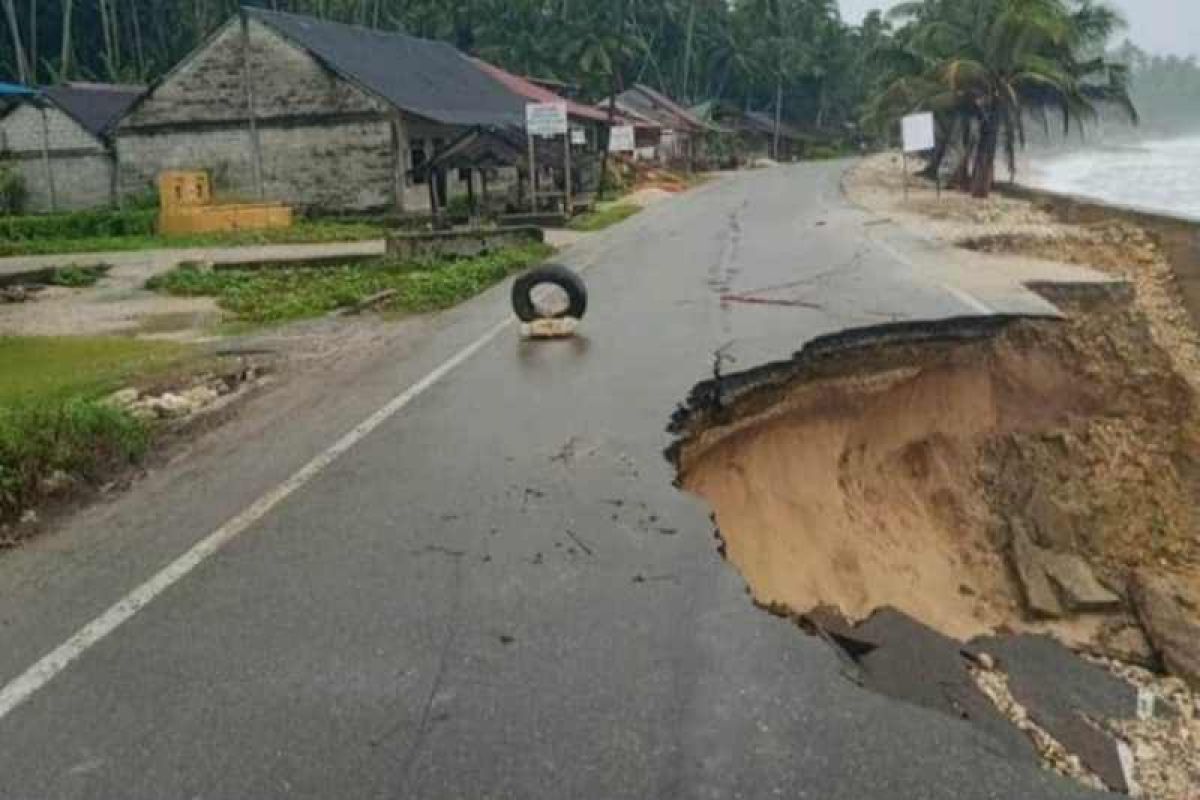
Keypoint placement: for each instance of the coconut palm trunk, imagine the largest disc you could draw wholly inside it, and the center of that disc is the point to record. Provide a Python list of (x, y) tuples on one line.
[(984, 173), (14, 29)]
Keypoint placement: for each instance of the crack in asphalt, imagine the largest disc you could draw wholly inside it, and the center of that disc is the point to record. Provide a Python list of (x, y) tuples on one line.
[(438, 679)]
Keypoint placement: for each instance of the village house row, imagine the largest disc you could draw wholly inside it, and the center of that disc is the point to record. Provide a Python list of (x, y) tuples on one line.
[(319, 115)]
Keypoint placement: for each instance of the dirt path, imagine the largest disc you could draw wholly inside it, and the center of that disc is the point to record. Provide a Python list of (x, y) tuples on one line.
[(119, 303)]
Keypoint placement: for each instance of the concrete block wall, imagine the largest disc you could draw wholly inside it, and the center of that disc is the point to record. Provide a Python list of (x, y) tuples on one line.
[(81, 166), (224, 152), (81, 183), (21, 132), (333, 166), (324, 143)]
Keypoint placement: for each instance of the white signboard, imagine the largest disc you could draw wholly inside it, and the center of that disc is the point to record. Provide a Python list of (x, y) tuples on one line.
[(578, 136), (546, 119), (621, 139), (919, 133)]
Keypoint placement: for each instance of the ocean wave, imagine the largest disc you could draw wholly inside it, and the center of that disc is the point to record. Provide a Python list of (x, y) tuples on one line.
[(1160, 175)]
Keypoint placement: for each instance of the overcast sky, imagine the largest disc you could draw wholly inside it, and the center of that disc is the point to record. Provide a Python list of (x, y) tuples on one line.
[(1162, 26)]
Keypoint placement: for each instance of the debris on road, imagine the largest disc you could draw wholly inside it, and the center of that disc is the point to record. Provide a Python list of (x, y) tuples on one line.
[(1067, 698), (550, 300), (1164, 739), (203, 393), (1053, 754)]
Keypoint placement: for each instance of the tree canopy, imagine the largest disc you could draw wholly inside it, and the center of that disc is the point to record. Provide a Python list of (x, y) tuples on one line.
[(986, 68), (754, 53), (1166, 89)]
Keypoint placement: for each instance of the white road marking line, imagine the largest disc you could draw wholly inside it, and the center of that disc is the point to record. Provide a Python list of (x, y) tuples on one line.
[(961, 295), (46, 669), (969, 299), (1128, 768)]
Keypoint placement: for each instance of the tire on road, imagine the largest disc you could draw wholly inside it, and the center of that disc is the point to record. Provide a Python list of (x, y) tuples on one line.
[(553, 274)]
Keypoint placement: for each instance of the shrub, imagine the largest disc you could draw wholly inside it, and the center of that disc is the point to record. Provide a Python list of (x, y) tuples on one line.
[(78, 436), (13, 192), (79, 225), (78, 277), (270, 295)]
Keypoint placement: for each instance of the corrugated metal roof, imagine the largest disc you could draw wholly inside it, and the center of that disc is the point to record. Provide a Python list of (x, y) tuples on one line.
[(95, 106), (665, 103), (539, 94), (426, 78), (765, 123)]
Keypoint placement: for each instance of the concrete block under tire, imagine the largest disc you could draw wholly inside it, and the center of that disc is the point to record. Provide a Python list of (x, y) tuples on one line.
[(526, 285)]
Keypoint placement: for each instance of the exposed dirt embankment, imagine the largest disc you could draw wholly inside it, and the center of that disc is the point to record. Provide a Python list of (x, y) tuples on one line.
[(898, 474)]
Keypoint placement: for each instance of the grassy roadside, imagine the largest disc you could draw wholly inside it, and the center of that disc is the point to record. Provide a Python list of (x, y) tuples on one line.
[(271, 295), (54, 425), (305, 232), (602, 218)]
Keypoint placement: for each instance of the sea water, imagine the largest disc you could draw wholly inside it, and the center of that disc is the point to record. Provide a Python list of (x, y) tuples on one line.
[(1161, 176)]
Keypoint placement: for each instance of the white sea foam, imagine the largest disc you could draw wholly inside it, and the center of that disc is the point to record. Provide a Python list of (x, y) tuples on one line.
[(1157, 176)]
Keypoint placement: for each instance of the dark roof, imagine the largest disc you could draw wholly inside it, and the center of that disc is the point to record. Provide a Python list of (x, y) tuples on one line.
[(481, 147), (426, 78), (659, 108), (95, 106), (762, 122)]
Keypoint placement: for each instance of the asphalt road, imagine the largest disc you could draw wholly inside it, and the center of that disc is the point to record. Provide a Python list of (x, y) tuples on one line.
[(498, 593)]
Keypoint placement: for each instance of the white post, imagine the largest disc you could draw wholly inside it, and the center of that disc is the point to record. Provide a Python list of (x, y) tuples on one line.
[(532, 176), (570, 206)]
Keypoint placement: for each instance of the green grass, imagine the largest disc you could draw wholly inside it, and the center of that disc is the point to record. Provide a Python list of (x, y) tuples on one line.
[(54, 368), (308, 232), (603, 218), (52, 418), (274, 294), (77, 277)]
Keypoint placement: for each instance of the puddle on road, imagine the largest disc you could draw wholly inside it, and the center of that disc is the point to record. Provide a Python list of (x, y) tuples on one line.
[(177, 322)]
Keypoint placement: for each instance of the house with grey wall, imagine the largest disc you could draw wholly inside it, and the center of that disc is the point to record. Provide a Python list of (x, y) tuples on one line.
[(61, 144), (316, 114)]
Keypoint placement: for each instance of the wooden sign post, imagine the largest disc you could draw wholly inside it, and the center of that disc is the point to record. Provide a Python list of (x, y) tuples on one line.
[(547, 120)]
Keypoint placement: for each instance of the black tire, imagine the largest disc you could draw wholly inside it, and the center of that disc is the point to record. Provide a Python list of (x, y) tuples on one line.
[(560, 276)]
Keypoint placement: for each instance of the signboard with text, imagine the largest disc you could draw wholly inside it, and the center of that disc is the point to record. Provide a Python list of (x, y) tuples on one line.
[(546, 119), (621, 139)]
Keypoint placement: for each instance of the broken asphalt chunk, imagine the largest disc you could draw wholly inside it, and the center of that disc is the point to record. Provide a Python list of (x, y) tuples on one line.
[(916, 664), (1068, 697)]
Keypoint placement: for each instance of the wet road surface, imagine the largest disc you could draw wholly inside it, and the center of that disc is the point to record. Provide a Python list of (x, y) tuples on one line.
[(498, 593)]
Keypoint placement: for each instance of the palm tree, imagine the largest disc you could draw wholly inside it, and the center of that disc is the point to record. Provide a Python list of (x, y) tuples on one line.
[(986, 66)]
